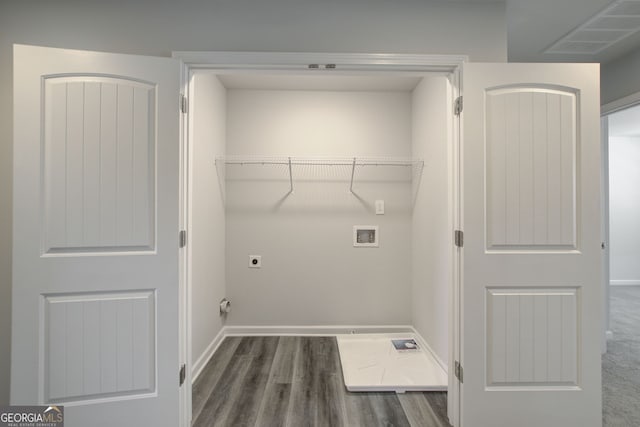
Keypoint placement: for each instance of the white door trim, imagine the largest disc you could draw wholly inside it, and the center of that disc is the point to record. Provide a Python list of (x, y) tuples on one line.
[(604, 227), (290, 61), (184, 307), (287, 62), (454, 401)]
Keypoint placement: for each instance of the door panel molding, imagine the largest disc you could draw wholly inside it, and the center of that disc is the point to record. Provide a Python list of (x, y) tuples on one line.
[(531, 168), (98, 164), (98, 345), (532, 337)]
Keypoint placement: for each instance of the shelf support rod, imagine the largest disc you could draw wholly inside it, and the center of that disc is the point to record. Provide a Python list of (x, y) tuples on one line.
[(290, 177), (353, 170)]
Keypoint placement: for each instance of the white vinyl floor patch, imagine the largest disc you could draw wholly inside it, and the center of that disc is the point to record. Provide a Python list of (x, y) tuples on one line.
[(370, 362)]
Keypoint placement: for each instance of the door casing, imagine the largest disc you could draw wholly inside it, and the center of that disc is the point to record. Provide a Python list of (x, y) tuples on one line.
[(250, 62)]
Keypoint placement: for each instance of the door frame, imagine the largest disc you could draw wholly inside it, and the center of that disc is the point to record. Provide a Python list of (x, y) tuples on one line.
[(287, 62), (604, 227), (184, 318), (606, 110)]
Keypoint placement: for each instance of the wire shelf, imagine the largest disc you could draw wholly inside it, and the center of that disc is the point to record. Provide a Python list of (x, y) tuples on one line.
[(291, 161)]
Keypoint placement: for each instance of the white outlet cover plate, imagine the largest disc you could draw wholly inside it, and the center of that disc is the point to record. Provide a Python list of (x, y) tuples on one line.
[(257, 264)]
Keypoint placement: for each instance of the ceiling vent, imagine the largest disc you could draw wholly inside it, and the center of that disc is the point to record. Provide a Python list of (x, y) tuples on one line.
[(617, 21)]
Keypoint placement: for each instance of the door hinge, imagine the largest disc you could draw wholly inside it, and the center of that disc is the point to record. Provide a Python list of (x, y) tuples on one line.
[(184, 105), (183, 374), (459, 371), (183, 238), (459, 238), (457, 106)]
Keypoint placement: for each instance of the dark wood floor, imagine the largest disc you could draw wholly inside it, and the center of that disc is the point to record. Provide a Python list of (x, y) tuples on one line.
[(297, 381)]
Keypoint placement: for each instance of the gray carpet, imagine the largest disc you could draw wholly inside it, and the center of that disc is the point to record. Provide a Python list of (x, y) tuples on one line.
[(621, 364)]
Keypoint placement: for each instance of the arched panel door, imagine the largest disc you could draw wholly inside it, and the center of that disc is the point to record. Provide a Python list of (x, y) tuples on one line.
[(95, 261), (531, 290)]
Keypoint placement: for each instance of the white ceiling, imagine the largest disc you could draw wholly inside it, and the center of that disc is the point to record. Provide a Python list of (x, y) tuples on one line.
[(535, 25)]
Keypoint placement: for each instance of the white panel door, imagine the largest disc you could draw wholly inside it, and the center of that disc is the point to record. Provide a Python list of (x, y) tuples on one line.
[(95, 261), (531, 297)]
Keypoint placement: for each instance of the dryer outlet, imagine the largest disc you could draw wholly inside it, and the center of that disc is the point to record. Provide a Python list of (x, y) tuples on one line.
[(255, 261)]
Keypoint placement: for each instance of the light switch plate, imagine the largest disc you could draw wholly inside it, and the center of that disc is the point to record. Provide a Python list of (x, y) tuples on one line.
[(379, 207)]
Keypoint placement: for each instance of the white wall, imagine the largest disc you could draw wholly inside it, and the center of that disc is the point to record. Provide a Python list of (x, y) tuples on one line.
[(432, 216), (624, 208), (311, 274), (620, 78), (207, 221), (156, 28)]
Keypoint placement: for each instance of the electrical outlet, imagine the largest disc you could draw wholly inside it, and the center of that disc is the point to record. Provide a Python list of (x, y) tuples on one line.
[(255, 261)]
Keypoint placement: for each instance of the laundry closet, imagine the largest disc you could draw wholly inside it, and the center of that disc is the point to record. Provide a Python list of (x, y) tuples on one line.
[(285, 170), (316, 200)]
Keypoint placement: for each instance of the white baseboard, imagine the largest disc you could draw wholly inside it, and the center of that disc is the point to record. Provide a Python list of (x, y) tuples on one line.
[(324, 330), (426, 345), (202, 361), (624, 282)]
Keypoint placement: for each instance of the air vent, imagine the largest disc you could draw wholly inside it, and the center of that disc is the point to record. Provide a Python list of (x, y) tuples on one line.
[(625, 8), (579, 47), (624, 23), (596, 36), (618, 21)]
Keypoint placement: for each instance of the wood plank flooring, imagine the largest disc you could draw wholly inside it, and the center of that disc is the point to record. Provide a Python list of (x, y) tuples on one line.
[(297, 381)]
